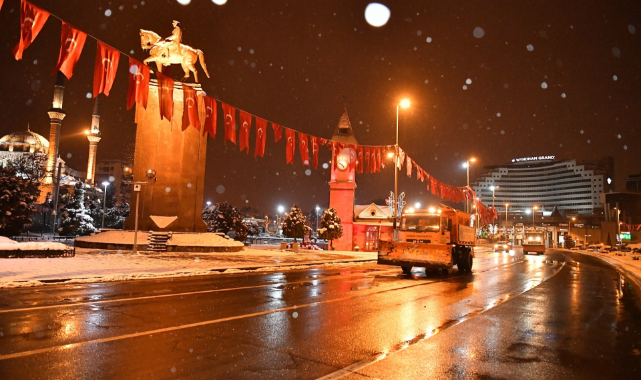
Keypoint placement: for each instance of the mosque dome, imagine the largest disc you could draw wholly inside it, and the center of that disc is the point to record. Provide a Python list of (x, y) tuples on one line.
[(24, 141)]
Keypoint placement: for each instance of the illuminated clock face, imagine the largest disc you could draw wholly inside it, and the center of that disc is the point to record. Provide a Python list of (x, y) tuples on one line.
[(342, 165)]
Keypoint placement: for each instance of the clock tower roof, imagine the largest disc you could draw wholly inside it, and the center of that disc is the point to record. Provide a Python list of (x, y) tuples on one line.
[(343, 132)]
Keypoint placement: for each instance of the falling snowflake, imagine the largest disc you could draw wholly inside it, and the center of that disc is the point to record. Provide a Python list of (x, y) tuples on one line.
[(544, 85), (429, 39), (530, 47), (478, 32), (468, 81), (614, 77)]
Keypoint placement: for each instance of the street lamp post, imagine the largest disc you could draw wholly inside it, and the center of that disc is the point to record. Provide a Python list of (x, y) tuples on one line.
[(533, 213), (618, 226), (281, 209), (506, 206), (151, 175), (317, 210), (405, 103), (467, 200), (104, 204), (493, 188)]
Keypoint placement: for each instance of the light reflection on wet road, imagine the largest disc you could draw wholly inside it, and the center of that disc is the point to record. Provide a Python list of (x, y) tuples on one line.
[(513, 317)]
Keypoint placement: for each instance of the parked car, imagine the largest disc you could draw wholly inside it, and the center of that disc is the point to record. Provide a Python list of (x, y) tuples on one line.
[(594, 247), (605, 249)]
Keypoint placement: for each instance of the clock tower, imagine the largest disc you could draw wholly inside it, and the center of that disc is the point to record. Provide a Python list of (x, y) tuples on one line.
[(343, 182)]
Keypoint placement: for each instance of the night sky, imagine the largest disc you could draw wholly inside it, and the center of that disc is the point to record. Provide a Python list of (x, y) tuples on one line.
[(492, 80)]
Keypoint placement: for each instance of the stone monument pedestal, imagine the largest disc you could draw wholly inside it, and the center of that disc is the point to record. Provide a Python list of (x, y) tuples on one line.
[(174, 200)]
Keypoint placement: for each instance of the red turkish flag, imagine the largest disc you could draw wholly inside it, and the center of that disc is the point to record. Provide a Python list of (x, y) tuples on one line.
[(278, 132), (290, 134), (379, 160), (359, 162), (209, 124), (1, 1), (190, 108), (72, 41), (304, 148), (32, 19), (165, 96), (245, 126), (352, 157), (138, 84), (261, 134), (314, 142), (366, 162), (229, 114), (409, 167), (104, 71)]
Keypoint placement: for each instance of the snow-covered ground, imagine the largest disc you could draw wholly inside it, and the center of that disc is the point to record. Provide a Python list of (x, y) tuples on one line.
[(90, 265), (93, 265), (11, 245)]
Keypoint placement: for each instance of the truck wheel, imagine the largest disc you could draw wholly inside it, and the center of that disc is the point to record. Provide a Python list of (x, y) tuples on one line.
[(465, 261), (406, 270)]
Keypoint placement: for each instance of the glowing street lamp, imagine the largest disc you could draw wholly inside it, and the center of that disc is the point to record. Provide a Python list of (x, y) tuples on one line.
[(405, 103), (417, 205), (317, 211)]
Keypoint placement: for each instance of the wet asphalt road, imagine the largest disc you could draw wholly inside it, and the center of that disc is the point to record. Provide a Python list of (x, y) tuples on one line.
[(562, 315)]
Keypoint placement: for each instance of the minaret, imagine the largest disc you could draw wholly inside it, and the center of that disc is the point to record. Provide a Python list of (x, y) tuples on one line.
[(342, 184), (56, 114), (94, 137)]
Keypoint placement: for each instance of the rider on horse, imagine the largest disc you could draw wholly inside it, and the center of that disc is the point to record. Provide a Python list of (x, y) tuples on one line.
[(176, 37)]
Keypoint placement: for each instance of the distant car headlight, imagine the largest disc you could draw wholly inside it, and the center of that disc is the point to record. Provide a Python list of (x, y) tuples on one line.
[(505, 246), (496, 245)]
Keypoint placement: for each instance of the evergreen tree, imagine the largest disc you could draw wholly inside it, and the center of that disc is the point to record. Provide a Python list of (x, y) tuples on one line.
[(75, 217), (294, 224), (330, 226), (17, 196), (225, 218), (567, 241)]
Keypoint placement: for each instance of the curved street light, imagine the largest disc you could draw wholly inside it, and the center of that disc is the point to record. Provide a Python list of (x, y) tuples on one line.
[(404, 103)]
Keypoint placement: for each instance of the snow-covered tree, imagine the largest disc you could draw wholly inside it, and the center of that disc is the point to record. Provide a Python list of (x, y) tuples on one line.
[(330, 226), (17, 196), (75, 217), (294, 224), (115, 213), (225, 218)]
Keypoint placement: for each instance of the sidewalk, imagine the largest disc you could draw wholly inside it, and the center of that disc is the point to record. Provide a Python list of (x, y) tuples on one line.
[(631, 267), (92, 265)]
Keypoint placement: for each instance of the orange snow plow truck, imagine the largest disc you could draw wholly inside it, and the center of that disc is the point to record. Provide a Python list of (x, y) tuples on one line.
[(436, 238)]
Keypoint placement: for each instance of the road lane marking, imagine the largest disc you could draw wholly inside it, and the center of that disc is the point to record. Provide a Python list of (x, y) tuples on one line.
[(214, 321), (189, 293), (353, 368)]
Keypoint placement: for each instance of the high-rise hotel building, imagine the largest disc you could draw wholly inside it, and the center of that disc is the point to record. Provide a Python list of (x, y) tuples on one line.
[(546, 182)]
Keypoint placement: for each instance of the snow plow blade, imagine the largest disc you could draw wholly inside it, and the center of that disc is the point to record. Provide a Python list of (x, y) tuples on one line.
[(431, 256)]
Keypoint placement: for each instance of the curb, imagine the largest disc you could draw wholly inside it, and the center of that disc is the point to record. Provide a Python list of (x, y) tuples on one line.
[(619, 267)]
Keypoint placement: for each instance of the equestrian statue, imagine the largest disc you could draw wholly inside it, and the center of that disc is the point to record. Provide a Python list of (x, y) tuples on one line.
[(171, 51)]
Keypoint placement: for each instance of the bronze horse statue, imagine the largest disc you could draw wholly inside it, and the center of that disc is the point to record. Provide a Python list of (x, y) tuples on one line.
[(165, 53)]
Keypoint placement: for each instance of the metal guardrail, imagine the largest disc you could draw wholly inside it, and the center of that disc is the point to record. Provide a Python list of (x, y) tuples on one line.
[(44, 253), (42, 238)]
